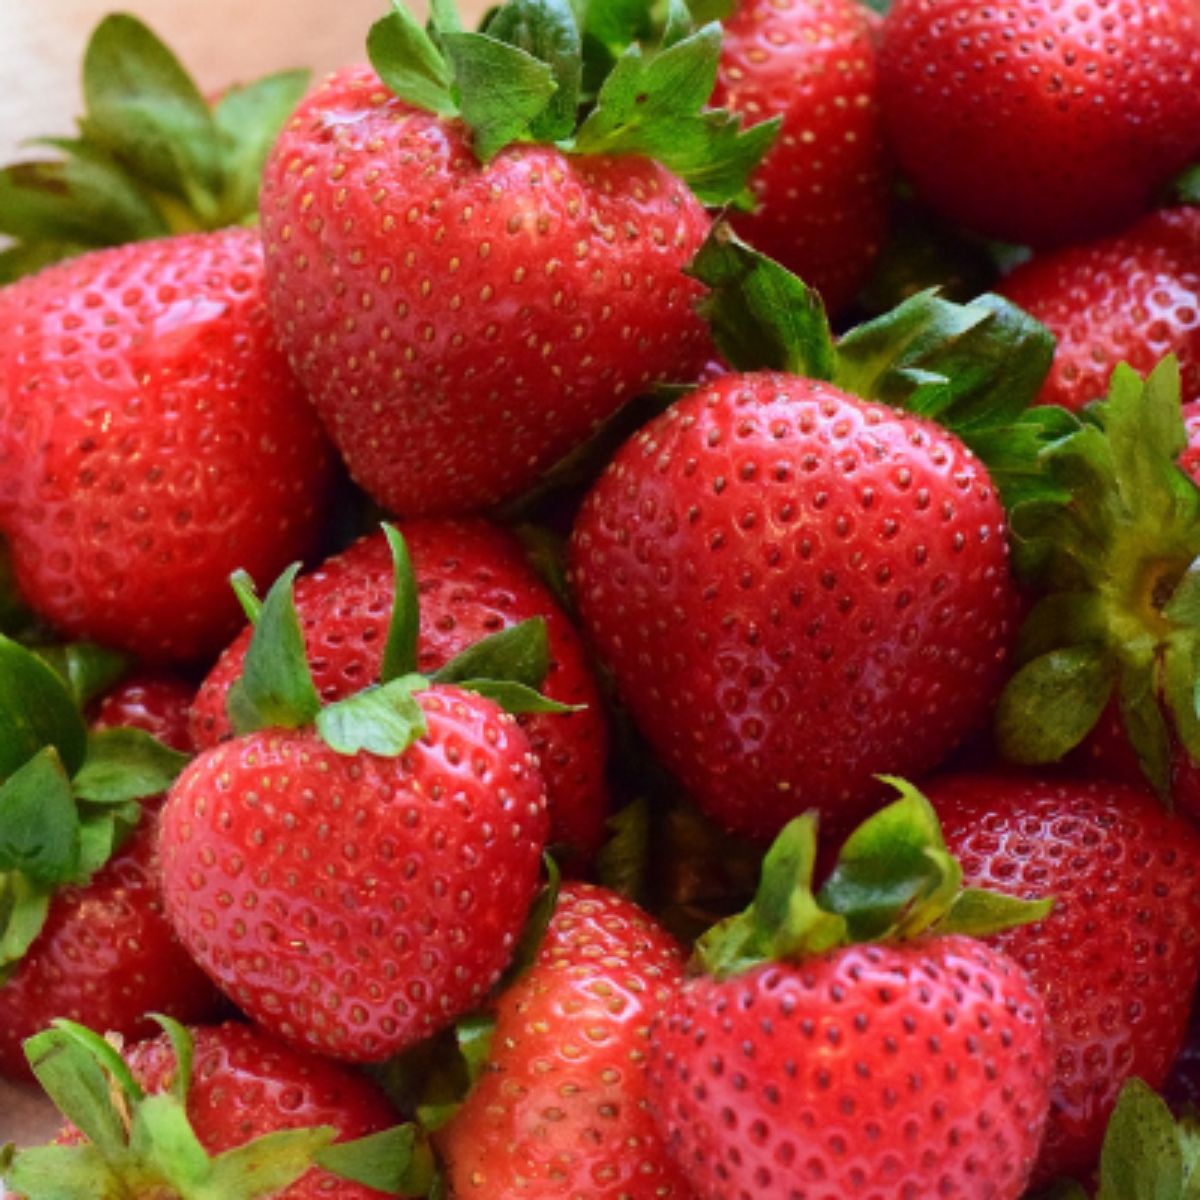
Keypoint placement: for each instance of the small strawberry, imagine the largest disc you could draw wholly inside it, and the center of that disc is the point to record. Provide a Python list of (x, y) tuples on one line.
[(824, 1055), (1041, 122), (1117, 959), (214, 1112), (473, 581), (82, 933), (1133, 297), (822, 190), (560, 1106), (796, 588), (159, 704), (336, 870), (152, 439), (468, 280)]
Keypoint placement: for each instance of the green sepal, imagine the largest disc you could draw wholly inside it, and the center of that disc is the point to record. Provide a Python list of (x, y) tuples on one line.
[(126, 764), (88, 670), (409, 63), (36, 710), (762, 316), (404, 627), (383, 720), (276, 688), (246, 591), (39, 822), (60, 1173), (623, 863), (458, 1069), (516, 698), (894, 880), (24, 907), (1186, 188), (533, 932), (517, 654), (1147, 1154), (398, 1161)]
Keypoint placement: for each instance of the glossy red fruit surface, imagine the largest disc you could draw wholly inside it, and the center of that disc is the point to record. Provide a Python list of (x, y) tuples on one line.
[(152, 440), (460, 327), (158, 704), (823, 188), (246, 1084), (561, 1108), (1042, 121), (1117, 958), (1132, 298), (349, 903), (913, 1070), (795, 591), (473, 581)]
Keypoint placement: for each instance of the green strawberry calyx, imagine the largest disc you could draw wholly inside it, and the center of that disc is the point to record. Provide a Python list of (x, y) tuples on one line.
[(575, 74), (69, 797), (152, 156), (973, 368), (1118, 568), (276, 689), (141, 1144), (894, 880)]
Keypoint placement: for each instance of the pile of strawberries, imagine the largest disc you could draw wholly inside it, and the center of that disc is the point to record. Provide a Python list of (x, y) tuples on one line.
[(626, 626)]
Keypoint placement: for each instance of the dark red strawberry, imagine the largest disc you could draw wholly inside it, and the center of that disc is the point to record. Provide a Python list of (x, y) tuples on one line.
[(1117, 959), (466, 278), (1132, 298), (152, 440), (807, 1065), (796, 590), (473, 581), (560, 1107), (1043, 121), (159, 704), (823, 188)]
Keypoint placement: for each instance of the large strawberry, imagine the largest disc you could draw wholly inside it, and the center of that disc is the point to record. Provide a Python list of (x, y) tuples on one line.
[(1133, 297), (796, 588), (560, 1106), (822, 190), (467, 282), (82, 932), (855, 1043), (1041, 122), (1117, 959), (473, 581), (152, 439), (223, 1112), (336, 870)]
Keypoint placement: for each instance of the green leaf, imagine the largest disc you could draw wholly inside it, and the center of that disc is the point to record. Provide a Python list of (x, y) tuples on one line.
[(126, 764), (404, 628), (398, 1161), (161, 1137), (62, 1173), (518, 654), (247, 593), (502, 91), (1187, 186), (36, 710), (39, 824), (762, 316), (24, 908), (383, 720), (1141, 1159), (979, 914), (88, 670), (249, 119), (516, 698), (268, 1165), (1052, 703), (623, 861), (410, 65), (1145, 725), (184, 1050), (144, 108), (455, 1070), (537, 922), (276, 688)]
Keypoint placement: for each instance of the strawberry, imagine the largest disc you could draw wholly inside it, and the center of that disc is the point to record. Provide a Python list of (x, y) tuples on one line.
[(160, 704), (473, 581), (822, 190), (152, 439), (88, 940), (1118, 957), (221, 1111), (465, 282), (1041, 122), (1133, 297), (334, 870), (560, 1106), (825, 1055), (795, 588)]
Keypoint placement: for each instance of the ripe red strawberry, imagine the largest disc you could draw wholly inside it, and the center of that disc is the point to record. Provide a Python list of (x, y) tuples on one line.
[(795, 590), (560, 1107), (1117, 959), (106, 954), (807, 1065), (152, 439), (1133, 298), (466, 278), (823, 188), (473, 581), (1041, 122)]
